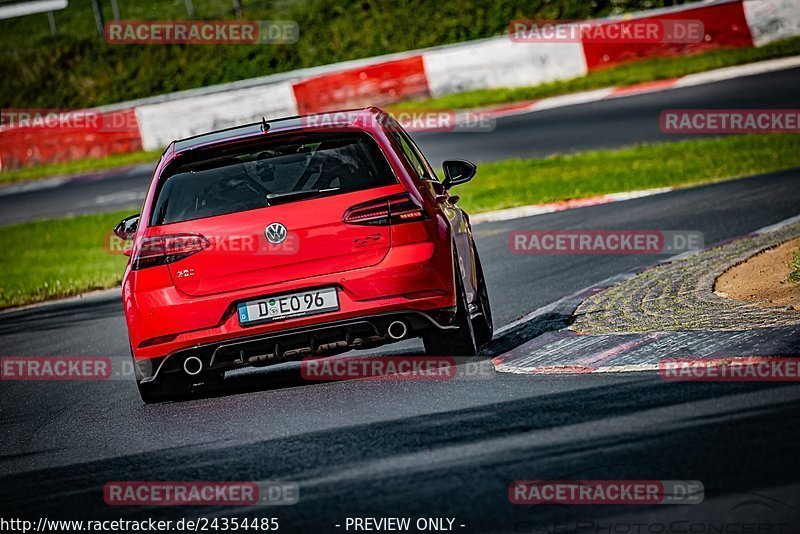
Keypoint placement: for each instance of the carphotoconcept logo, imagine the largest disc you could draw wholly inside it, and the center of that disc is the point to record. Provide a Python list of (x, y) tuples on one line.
[(194, 32), (752, 513), (604, 241)]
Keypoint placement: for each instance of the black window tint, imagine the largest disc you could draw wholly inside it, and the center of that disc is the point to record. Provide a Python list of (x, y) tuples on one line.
[(410, 154), (429, 173), (243, 181)]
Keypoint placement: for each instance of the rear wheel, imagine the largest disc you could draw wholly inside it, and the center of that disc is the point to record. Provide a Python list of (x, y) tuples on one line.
[(460, 342), (482, 324), (163, 390), (151, 392)]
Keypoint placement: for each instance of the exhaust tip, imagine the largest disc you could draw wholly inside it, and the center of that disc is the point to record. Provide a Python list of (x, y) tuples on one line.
[(192, 365), (397, 330)]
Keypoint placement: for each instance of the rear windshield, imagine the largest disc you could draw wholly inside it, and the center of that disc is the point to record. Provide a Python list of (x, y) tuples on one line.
[(271, 174)]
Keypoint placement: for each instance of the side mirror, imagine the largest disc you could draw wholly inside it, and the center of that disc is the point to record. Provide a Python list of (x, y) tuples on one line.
[(127, 227), (457, 171)]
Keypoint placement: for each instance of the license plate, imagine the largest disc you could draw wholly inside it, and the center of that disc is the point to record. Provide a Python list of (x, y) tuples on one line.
[(286, 306)]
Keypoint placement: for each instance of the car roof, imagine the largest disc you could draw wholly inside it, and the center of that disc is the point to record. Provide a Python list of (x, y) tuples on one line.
[(360, 118)]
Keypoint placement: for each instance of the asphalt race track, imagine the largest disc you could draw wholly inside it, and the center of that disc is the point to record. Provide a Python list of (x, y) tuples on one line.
[(604, 124), (434, 448)]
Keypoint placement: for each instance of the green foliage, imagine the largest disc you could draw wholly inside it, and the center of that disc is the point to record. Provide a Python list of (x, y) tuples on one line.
[(78, 68), (794, 276), (44, 260), (518, 182)]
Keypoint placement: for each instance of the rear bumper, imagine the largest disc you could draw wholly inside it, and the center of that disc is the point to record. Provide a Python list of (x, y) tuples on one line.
[(163, 321), (287, 345)]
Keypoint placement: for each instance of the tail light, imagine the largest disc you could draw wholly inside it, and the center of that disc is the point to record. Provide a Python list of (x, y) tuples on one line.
[(384, 211), (163, 249)]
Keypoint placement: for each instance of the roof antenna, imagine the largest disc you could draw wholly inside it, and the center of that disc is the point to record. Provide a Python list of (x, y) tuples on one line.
[(264, 125)]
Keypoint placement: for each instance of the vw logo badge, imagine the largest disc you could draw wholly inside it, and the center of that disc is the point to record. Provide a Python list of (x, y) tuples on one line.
[(276, 233)]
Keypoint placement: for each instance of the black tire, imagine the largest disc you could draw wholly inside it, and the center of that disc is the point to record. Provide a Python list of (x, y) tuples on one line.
[(177, 387), (482, 324), (163, 390), (460, 342), (153, 392), (150, 392)]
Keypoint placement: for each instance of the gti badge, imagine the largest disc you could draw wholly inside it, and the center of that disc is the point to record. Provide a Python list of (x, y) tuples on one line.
[(276, 233)]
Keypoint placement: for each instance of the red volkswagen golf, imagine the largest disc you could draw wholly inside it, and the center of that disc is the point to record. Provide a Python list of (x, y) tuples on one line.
[(294, 237)]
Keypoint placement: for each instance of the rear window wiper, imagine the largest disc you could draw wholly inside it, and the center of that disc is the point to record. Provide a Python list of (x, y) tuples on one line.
[(277, 198)]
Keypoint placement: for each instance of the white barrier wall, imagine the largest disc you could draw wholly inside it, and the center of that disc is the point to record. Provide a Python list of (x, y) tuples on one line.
[(164, 122), (770, 20), (499, 62), (488, 63)]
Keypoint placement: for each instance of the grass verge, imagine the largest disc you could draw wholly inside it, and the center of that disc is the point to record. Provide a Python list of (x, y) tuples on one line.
[(42, 260), (78, 69), (79, 166), (794, 276), (518, 182), (624, 75)]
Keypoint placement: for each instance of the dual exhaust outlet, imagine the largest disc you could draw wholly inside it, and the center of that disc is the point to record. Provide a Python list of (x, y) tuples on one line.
[(193, 365), (397, 330)]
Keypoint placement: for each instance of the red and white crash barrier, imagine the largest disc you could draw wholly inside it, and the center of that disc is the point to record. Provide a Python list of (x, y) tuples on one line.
[(484, 64)]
